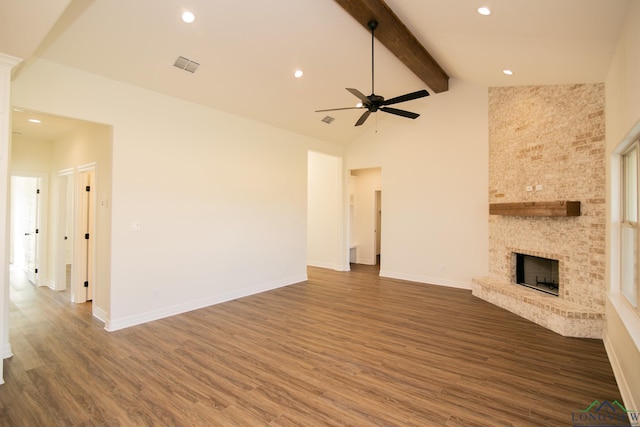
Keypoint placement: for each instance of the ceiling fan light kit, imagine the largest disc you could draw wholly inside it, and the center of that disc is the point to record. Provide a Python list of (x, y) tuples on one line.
[(373, 102)]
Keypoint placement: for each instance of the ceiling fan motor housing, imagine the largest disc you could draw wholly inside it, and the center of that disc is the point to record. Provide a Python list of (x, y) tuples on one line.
[(375, 101)]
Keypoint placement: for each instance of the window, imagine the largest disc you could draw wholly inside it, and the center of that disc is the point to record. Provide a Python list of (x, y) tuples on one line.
[(629, 226)]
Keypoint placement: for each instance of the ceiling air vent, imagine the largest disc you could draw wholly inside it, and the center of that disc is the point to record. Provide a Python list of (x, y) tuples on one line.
[(327, 119), (186, 64)]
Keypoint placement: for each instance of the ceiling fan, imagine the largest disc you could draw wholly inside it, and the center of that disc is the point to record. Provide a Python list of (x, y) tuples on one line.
[(373, 102)]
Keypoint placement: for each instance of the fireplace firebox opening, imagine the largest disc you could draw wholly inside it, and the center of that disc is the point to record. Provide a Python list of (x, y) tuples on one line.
[(538, 273)]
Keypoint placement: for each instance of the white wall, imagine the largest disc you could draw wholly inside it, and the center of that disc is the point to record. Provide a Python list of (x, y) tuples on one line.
[(434, 186), (30, 155), (222, 200), (622, 329), (325, 212)]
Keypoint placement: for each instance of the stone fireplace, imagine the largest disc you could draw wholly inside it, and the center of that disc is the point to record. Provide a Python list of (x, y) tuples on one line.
[(546, 143)]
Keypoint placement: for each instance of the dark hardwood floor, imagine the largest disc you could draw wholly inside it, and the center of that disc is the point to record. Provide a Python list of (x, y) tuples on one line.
[(340, 349)]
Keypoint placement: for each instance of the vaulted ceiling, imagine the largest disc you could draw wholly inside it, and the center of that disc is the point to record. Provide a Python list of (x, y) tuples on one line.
[(248, 50)]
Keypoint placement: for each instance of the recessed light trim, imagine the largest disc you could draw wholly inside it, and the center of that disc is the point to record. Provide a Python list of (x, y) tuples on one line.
[(507, 72), (298, 74), (484, 11), (188, 17), (35, 121)]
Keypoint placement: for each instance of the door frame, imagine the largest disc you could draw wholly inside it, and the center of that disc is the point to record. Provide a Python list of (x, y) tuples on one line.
[(377, 223), (64, 236), (363, 207)]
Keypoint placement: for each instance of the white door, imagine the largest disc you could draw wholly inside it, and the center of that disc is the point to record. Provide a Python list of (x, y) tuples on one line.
[(86, 221), (31, 244), (26, 197)]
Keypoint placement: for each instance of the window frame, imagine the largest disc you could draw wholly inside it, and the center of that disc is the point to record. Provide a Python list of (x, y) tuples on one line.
[(631, 294)]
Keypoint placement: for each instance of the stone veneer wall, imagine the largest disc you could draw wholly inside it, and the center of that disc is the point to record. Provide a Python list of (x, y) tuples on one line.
[(551, 136)]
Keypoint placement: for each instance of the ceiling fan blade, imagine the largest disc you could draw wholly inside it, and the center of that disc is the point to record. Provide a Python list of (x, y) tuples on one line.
[(363, 117), (337, 109), (403, 113), (406, 97), (360, 95)]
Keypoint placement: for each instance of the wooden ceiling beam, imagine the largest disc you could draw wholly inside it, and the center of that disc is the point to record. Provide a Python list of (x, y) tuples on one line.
[(392, 33)]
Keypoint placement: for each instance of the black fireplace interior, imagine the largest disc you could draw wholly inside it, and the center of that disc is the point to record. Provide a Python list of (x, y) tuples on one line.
[(537, 273)]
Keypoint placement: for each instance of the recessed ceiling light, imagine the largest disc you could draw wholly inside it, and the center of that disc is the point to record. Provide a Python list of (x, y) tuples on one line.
[(484, 11), (35, 121), (508, 72), (188, 17), (298, 74)]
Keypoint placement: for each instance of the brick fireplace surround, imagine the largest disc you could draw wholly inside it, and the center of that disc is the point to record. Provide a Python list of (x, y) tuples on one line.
[(551, 137)]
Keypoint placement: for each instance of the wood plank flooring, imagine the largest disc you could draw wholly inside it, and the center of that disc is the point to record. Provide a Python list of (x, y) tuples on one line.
[(343, 348)]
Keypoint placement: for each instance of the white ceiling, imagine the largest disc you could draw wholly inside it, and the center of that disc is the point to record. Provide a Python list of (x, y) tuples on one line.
[(50, 127), (249, 49)]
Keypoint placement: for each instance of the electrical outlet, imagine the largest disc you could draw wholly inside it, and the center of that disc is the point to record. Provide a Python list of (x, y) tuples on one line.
[(529, 188)]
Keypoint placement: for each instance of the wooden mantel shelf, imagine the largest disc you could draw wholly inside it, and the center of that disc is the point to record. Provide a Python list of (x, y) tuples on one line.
[(553, 208)]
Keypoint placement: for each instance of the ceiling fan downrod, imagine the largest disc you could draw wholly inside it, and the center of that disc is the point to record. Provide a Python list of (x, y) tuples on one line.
[(373, 24)]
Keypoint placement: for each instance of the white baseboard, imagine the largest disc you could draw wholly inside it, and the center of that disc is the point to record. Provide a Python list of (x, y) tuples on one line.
[(623, 386), (100, 314), (53, 285), (328, 265), (6, 351), (321, 264), (112, 325), (426, 279)]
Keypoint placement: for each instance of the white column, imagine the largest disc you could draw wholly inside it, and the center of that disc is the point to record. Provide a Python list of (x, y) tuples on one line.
[(6, 65)]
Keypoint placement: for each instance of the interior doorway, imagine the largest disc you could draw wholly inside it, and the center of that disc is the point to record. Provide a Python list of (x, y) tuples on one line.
[(365, 216), (27, 235)]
